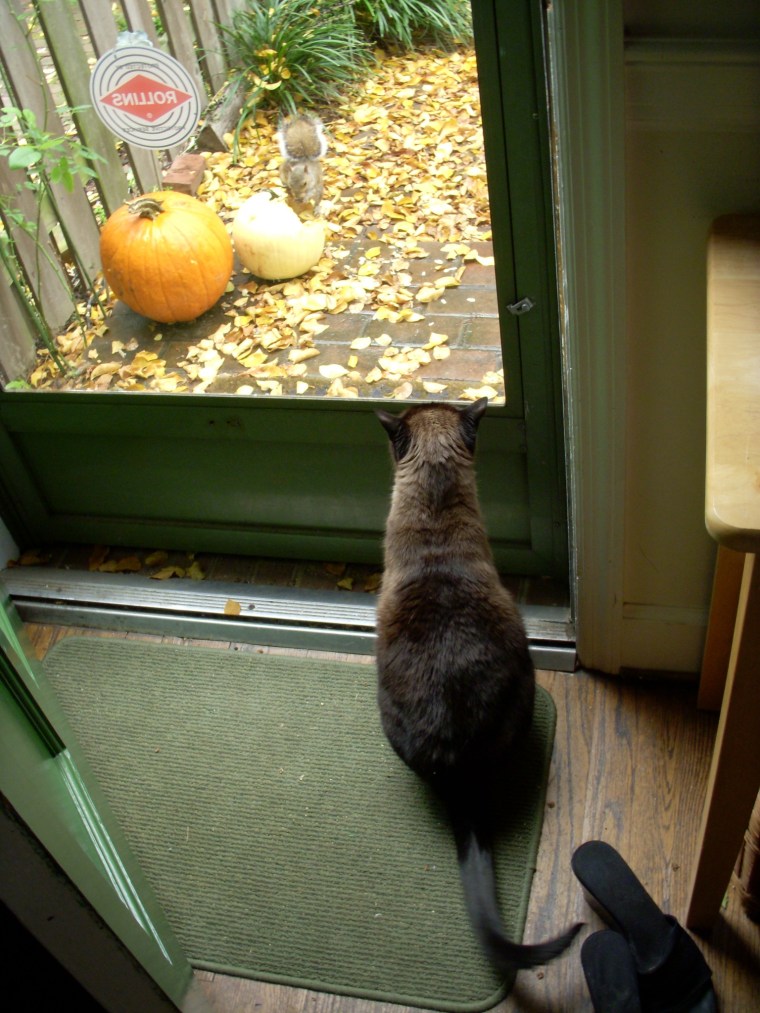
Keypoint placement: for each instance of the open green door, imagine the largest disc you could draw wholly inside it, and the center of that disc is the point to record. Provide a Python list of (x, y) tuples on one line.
[(310, 478), (51, 798)]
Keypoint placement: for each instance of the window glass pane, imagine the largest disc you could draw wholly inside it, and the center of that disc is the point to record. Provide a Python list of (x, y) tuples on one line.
[(400, 303)]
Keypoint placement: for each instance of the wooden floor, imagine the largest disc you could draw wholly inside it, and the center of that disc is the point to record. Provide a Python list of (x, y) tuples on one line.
[(630, 766)]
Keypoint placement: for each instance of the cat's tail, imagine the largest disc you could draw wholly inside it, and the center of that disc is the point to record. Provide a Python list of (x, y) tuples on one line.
[(479, 885)]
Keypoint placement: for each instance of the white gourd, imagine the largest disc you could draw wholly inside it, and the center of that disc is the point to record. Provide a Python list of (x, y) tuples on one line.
[(272, 242)]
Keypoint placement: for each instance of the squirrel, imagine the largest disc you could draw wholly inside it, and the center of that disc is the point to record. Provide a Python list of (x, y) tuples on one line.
[(302, 144)]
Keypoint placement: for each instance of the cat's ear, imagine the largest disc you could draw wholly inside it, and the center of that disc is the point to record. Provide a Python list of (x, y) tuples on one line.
[(397, 430), (476, 410), (390, 423), (470, 417)]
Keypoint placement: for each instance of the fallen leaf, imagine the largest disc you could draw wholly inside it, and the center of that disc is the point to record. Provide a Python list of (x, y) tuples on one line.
[(475, 393), (128, 564), (335, 569), (97, 556), (168, 572), (232, 607), (157, 558), (33, 557), (332, 371)]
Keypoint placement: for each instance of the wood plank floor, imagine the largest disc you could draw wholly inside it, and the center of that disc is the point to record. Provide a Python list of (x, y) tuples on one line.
[(630, 766)]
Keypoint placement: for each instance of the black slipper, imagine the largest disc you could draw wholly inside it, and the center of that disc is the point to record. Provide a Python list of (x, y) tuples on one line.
[(672, 973), (610, 973)]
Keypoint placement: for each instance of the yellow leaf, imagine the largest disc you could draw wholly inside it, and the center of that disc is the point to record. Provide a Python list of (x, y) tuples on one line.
[(332, 371), (157, 558), (475, 393), (195, 571), (128, 564), (97, 556), (232, 607), (301, 354), (429, 293), (360, 343), (167, 572), (433, 388), (301, 387), (435, 339), (347, 584), (374, 252), (403, 392)]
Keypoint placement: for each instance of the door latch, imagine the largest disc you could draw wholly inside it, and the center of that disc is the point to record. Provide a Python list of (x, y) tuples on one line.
[(518, 309)]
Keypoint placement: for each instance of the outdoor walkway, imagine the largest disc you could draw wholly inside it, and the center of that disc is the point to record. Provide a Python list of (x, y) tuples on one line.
[(466, 316)]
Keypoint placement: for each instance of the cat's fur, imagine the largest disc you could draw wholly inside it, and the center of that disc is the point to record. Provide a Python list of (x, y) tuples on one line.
[(455, 678)]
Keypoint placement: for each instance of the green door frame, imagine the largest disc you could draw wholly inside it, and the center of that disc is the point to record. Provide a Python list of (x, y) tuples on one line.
[(55, 799), (306, 478)]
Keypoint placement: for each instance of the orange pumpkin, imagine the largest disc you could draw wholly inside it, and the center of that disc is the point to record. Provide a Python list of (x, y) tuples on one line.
[(166, 255)]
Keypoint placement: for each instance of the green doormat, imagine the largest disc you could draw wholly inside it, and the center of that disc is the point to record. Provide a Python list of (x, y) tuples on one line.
[(282, 835)]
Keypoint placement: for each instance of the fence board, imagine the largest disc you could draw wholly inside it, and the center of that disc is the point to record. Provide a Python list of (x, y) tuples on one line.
[(73, 32), (50, 285), (64, 42), (17, 338), (32, 92), (103, 32), (213, 62), (182, 45)]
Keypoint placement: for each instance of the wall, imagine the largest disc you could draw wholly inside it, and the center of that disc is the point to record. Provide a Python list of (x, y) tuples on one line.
[(692, 153)]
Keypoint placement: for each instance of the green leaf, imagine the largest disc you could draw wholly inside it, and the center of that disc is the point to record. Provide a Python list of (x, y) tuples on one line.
[(24, 156), (61, 173)]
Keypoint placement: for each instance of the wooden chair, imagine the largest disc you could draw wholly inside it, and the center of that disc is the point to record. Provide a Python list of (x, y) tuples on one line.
[(731, 666)]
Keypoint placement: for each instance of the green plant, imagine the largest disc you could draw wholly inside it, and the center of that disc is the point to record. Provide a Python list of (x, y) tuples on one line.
[(46, 159), (293, 53), (407, 23)]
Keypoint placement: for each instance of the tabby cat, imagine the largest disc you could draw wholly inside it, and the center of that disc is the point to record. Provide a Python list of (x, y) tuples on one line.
[(455, 678)]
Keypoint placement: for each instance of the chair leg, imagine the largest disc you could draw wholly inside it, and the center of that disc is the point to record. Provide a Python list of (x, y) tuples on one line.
[(729, 566), (735, 770)]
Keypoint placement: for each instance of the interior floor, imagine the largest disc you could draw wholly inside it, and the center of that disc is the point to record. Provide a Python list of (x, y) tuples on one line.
[(630, 767)]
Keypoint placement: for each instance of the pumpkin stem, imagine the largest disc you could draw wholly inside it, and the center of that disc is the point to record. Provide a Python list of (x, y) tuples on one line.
[(146, 207)]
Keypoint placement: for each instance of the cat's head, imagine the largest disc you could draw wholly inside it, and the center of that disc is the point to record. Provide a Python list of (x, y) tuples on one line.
[(433, 429)]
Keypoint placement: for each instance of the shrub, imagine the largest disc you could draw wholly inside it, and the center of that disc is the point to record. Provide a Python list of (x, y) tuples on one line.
[(407, 23), (294, 53)]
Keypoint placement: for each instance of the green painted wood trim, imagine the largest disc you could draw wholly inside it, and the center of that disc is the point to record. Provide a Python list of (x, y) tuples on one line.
[(516, 130), (224, 474), (49, 784)]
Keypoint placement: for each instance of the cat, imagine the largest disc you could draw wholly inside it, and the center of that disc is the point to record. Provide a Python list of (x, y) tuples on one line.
[(455, 678)]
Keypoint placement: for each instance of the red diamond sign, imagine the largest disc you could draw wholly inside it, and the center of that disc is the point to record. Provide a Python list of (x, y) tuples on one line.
[(145, 98)]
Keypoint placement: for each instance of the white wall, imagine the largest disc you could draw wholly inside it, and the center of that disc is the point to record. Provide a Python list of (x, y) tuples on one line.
[(692, 153)]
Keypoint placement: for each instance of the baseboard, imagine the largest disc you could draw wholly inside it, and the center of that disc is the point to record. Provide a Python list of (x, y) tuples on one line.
[(662, 639)]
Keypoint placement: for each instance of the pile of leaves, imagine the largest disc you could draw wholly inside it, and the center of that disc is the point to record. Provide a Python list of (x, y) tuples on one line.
[(406, 205)]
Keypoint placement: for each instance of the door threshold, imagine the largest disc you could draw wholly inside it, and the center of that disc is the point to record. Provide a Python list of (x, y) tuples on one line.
[(240, 613)]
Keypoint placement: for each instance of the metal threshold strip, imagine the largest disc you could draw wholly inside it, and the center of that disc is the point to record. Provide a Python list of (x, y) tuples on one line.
[(240, 613)]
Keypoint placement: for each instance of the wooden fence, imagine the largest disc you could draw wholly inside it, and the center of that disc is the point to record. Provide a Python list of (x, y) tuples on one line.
[(47, 50)]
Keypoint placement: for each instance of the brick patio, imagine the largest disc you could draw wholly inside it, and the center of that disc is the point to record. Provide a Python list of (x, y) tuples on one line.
[(467, 314)]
